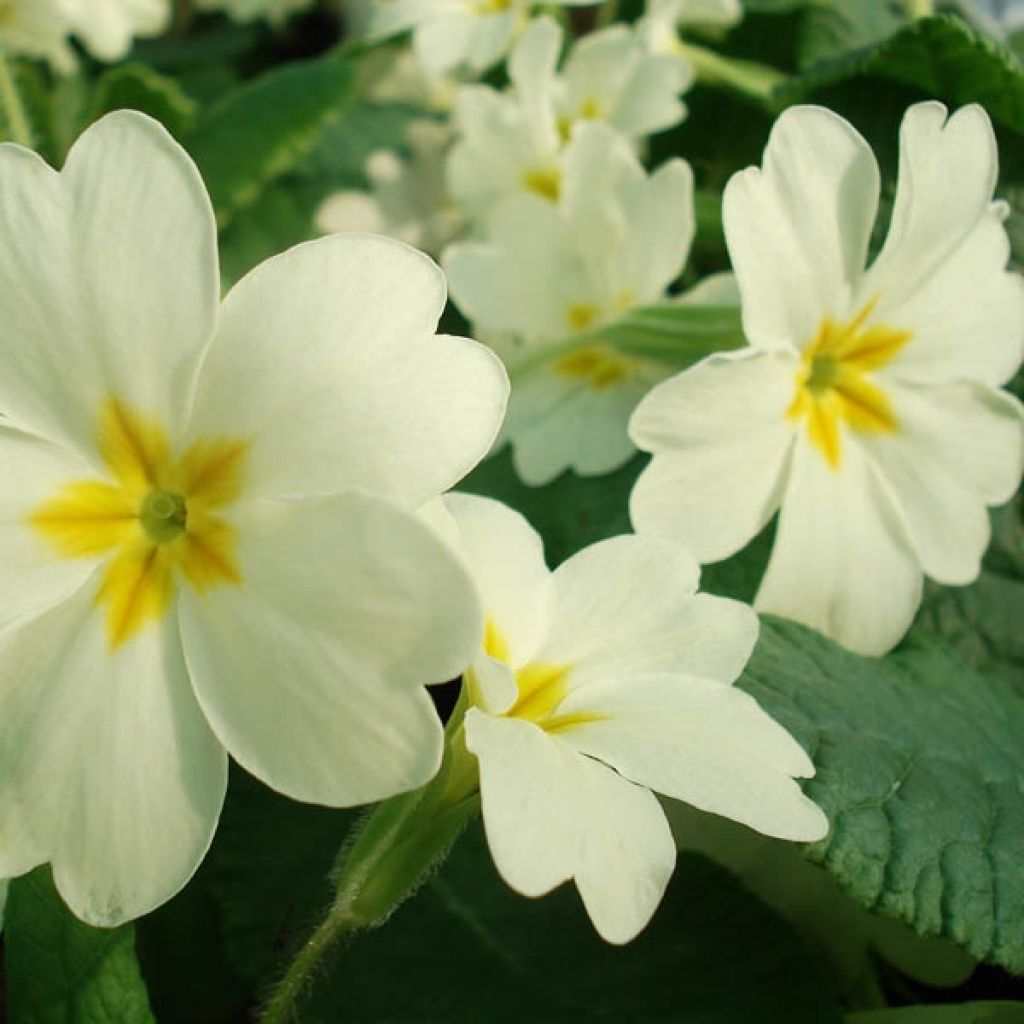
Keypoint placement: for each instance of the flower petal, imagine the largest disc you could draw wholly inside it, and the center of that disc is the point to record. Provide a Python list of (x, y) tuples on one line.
[(960, 447), (721, 442), (709, 745), (311, 671), (626, 607), (798, 230), (505, 556), (326, 359), (107, 766), (110, 279), (39, 575), (842, 562), (552, 815)]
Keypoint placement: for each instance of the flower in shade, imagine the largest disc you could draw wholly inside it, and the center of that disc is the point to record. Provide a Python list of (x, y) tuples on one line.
[(206, 518), (108, 27), (867, 408), (597, 686), (549, 272)]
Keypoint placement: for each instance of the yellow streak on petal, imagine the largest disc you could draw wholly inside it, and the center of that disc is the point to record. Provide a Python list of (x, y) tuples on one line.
[(211, 472), (833, 386), (87, 518), (134, 449), (137, 586), (206, 554), (600, 367), (544, 181), (495, 644)]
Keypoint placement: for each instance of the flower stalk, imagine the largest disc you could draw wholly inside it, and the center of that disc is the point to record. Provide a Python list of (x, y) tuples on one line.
[(18, 126), (396, 847), (758, 81)]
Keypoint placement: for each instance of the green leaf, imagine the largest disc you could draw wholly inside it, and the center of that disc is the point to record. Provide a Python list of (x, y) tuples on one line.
[(467, 948), (920, 768), (962, 1013), (60, 971), (262, 130), (831, 28), (138, 87), (940, 57)]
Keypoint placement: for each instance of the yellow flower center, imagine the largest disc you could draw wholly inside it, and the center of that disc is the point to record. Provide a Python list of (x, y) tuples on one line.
[(486, 7), (833, 385), (598, 366), (542, 688), (155, 516), (544, 181)]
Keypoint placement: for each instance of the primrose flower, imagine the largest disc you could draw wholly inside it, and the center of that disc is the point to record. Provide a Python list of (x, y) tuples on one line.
[(274, 11), (867, 407), (208, 531), (616, 240), (516, 141), (107, 27), (447, 35), (598, 686), (409, 200)]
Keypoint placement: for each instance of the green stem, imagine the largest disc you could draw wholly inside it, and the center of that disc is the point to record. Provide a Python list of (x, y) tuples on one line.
[(396, 848), (14, 109), (758, 81)]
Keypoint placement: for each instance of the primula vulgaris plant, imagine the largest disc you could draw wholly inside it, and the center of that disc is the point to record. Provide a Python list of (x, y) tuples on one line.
[(247, 525)]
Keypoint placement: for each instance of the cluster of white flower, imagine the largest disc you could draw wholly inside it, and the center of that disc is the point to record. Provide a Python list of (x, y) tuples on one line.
[(231, 527)]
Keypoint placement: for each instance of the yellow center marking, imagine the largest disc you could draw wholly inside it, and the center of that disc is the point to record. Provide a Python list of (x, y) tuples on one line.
[(544, 181), (486, 7), (542, 689), (833, 385), (598, 366), (155, 516)]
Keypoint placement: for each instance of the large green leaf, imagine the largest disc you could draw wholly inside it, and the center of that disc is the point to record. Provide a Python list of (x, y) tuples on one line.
[(960, 1013), (940, 57), (466, 948), (831, 28), (60, 971), (138, 87), (263, 129), (920, 768)]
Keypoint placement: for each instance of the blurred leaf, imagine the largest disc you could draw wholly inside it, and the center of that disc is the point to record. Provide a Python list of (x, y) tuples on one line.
[(831, 28), (920, 768), (263, 129), (467, 948), (941, 57), (60, 971), (138, 87), (963, 1013)]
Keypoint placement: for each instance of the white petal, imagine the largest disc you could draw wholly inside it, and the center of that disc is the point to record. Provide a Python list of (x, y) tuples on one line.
[(107, 766), (505, 557), (311, 670), (798, 230), (444, 42), (842, 562), (531, 69), (552, 815), (721, 442), (626, 607), (110, 279), (948, 170), (34, 471), (326, 359), (960, 447), (709, 745), (107, 26)]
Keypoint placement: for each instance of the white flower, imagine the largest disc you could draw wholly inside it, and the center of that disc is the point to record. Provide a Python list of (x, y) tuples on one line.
[(107, 27), (599, 685), (409, 199), (867, 406), (207, 535), (392, 74), (36, 28), (660, 25), (516, 141), (274, 11), (616, 240), (450, 34)]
